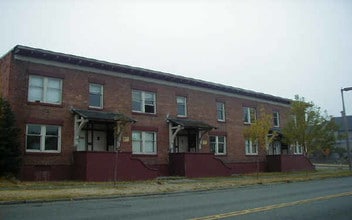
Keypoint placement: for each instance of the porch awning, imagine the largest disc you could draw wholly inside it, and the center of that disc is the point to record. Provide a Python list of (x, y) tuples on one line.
[(189, 124), (92, 115)]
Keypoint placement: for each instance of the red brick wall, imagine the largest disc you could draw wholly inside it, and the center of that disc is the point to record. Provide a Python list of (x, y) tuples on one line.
[(117, 97)]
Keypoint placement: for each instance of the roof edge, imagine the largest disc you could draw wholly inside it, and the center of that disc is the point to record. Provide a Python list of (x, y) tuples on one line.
[(137, 71)]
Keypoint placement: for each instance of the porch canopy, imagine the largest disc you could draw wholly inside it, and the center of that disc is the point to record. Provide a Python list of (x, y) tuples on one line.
[(82, 117), (178, 124)]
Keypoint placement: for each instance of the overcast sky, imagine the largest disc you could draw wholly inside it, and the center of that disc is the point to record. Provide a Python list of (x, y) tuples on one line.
[(277, 47)]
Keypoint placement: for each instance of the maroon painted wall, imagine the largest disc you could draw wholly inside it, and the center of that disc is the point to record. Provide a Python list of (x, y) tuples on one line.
[(194, 165), (286, 163), (100, 166)]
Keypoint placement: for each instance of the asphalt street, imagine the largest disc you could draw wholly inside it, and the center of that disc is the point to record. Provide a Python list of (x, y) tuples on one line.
[(323, 199)]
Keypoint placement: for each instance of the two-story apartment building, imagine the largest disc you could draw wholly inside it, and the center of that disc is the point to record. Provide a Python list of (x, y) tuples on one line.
[(87, 119)]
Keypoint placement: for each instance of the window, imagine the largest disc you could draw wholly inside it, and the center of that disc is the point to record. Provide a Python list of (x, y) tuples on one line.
[(95, 96), (43, 138), (218, 144), (276, 118), (251, 148), (45, 90), (143, 142), (297, 149), (181, 106), (220, 108), (143, 102), (249, 115)]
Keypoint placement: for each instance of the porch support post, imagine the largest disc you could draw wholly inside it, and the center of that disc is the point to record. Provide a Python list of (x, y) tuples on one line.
[(172, 135), (79, 123)]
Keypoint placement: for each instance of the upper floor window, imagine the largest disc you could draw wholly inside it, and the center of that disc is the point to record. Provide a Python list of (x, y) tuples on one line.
[(251, 147), (45, 90), (181, 106), (276, 119), (95, 95), (143, 142), (220, 109), (218, 144), (249, 115), (143, 102), (43, 138)]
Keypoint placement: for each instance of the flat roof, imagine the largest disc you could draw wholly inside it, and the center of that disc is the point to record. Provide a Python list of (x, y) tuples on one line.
[(141, 72)]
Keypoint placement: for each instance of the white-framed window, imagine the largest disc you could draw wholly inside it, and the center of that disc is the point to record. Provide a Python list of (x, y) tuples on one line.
[(218, 144), (181, 106), (144, 142), (276, 119), (297, 149), (96, 95), (220, 111), (143, 102), (249, 115), (45, 89), (43, 138), (251, 147)]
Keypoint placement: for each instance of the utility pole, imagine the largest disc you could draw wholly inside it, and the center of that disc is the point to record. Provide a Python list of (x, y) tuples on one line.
[(346, 126)]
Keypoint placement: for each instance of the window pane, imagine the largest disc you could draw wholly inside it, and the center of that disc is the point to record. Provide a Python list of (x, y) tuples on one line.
[(221, 148), (51, 143), (181, 110), (95, 100), (136, 135), (149, 109), (52, 130), (149, 147), (253, 115), (136, 101), (94, 88), (33, 142), (220, 111), (136, 146), (34, 129), (53, 96), (245, 115), (149, 136), (54, 84), (36, 81), (35, 94)]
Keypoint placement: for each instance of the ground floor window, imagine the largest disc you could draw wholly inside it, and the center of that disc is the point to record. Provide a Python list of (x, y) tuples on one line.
[(143, 142), (43, 138), (297, 149), (251, 147), (218, 144)]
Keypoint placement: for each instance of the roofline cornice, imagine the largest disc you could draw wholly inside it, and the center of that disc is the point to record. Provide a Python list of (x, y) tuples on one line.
[(71, 61)]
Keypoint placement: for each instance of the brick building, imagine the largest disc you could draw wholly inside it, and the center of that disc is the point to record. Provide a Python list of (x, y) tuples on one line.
[(74, 112)]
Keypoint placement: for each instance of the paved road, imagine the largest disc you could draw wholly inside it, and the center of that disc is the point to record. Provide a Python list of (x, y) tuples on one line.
[(325, 199)]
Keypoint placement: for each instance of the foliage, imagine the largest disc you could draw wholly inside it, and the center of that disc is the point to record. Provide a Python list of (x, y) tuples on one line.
[(258, 132), (308, 127), (10, 156)]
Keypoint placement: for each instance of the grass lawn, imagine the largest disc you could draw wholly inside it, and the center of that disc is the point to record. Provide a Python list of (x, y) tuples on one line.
[(16, 191)]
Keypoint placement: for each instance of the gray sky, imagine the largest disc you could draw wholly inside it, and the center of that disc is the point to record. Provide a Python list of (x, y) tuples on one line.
[(281, 48)]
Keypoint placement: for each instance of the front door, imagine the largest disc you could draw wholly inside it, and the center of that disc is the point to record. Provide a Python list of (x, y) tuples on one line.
[(182, 144)]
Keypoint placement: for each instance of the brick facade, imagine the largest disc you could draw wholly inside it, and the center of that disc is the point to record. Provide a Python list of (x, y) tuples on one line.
[(201, 105)]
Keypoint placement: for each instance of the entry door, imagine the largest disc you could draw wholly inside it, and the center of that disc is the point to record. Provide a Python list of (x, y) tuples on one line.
[(99, 140), (182, 143)]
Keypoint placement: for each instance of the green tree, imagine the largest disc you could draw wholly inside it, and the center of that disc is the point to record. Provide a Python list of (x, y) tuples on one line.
[(308, 127), (10, 155), (259, 132)]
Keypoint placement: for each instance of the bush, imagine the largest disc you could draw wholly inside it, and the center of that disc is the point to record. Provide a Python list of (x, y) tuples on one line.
[(10, 155)]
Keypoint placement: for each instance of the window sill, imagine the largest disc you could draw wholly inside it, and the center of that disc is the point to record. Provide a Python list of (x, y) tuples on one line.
[(222, 121), (45, 104), (41, 153), (96, 108), (146, 114), (144, 155)]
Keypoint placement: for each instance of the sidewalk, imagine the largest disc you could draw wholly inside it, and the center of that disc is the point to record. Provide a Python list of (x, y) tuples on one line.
[(22, 192)]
